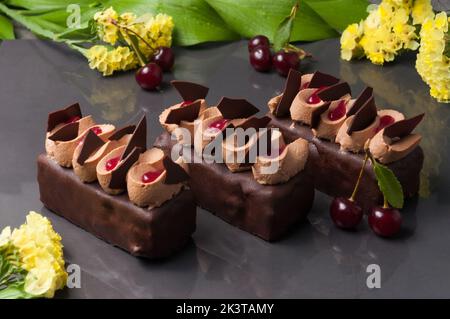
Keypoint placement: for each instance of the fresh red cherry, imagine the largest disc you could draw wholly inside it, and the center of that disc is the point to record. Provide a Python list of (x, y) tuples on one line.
[(258, 41), (345, 213), (338, 112), (165, 58), (186, 103), (112, 163), (385, 221), (260, 59), (304, 86), (150, 176), (149, 77), (97, 130), (385, 121), (218, 125), (283, 61), (314, 98), (72, 119)]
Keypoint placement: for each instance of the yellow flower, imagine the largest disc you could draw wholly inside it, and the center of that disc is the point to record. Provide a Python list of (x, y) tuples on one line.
[(432, 63), (108, 61), (421, 10), (350, 47), (106, 28), (41, 255), (5, 236)]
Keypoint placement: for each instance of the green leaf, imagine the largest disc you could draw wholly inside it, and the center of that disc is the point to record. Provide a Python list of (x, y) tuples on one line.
[(195, 20), (388, 184), (283, 33), (339, 13), (134, 41), (15, 291), (6, 29), (252, 17)]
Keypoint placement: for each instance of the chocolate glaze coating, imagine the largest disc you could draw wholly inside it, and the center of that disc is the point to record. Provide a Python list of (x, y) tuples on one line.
[(151, 233), (335, 172), (267, 211)]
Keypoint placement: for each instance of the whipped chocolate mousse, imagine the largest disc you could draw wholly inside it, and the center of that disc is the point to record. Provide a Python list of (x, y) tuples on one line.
[(146, 181), (287, 161), (396, 141)]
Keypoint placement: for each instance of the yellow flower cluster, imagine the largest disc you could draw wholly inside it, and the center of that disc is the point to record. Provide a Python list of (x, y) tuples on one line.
[(432, 63), (108, 60), (41, 255), (386, 31), (151, 32)]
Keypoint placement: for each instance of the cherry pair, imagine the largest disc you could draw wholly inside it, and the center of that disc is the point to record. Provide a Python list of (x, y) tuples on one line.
[(150, 76), (262, 60)]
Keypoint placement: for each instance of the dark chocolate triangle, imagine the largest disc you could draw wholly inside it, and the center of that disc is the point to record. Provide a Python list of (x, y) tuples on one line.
[(175, 174), (63, 116), (90, 144), (404, 127), (360, 100), (186, 113), (236, 108), (255, 123), (66, 133), (138, 139), (118, 134), (334, 92), (364, 117), (118, 176), (190, 91), (320, 79), (291, 88)]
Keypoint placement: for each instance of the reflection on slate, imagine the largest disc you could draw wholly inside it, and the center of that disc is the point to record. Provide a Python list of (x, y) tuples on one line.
[(316, 260)]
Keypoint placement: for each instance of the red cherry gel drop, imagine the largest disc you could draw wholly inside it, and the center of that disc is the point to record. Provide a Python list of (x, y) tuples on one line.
[(305, 86), (72, 119), (112, 163), (385, 120), (314, 98), (97, 130), (219, 124), (186, 103), (338, 112), (150, 176)]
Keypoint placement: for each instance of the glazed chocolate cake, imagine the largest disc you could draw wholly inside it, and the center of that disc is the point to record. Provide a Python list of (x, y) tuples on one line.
[(105, 180)]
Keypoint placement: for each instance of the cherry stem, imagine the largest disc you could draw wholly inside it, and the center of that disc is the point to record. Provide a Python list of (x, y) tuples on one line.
[(361, 172), (141, 61), (126, 29)]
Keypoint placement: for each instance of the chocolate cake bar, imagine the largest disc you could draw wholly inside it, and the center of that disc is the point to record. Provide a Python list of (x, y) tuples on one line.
[(267, 211), (147, 232)]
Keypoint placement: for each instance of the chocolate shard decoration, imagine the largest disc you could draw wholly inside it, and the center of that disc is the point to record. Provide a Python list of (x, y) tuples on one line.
[(66, 133), (138, 139), (118, 134), (317, 112), (291, 88), (255, 123), (334, 92), (190, 91), (90, 144), (364, 117), (118, 176), (186, 113), (63, 116), (322, 79), (365, 95), (175, 174), (236, 108), (404, 127)]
